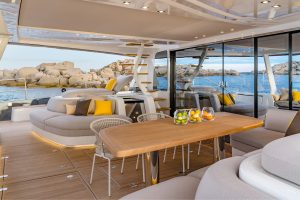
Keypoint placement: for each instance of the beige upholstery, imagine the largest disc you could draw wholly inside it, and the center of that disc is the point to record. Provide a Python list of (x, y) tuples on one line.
[(198, 173), (58, 103), (38, 117), (281, 158), (277, 122), (221, 181), (183, 187), (86, 93)]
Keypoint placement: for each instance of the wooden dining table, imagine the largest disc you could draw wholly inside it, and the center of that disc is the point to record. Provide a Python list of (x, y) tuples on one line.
[(151, 136)]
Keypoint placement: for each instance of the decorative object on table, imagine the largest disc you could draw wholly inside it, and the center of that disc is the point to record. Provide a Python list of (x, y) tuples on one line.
[(181, 117), (208, 113), (195, 115)]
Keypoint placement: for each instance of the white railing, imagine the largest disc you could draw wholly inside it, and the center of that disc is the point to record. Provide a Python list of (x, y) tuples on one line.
[(14, 79)]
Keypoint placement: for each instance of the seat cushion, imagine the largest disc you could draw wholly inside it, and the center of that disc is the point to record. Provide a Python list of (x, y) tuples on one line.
[(58, 103), (245, 109), (38, 117), (256, 138), (252, 173), (281, 158), (72, 122), (221, 181), (279, 120), (183, 187)]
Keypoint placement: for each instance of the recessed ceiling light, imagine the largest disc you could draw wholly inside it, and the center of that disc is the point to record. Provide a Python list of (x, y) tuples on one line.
[(222, 32), (196, 37), (276, 6), (145, 7), (232, 29), (126, 2), (203, 35), (160, 11), (265, 2)]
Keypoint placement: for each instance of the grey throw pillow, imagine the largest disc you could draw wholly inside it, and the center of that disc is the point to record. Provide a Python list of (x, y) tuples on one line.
[(82, 107), (294, 127)]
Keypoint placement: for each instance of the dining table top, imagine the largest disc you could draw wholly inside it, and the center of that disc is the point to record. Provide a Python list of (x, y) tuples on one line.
[(137, 138)]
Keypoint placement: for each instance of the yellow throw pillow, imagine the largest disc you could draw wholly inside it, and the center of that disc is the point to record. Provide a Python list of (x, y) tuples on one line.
[(103, 107), (296, 96), (111, 84), (227, 100), (70, 109)]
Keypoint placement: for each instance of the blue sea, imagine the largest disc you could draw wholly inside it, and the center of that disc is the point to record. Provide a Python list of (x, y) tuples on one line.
[(242, 83)]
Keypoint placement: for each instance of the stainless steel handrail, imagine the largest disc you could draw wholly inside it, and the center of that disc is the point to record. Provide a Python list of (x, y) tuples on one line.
[(14, 79)]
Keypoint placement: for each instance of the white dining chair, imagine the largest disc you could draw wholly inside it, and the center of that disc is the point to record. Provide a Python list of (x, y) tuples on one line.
[(96, 126)]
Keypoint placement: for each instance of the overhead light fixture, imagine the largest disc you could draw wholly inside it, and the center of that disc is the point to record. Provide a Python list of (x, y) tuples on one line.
[(276, 6), (232, 29), (126, 2), (196, 37), (160, 11), (203, 35), (145, 7), (222, 32), (265, 2)]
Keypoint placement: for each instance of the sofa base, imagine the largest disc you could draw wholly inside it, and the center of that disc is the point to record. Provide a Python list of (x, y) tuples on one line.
[(236, 152), (63, 140)]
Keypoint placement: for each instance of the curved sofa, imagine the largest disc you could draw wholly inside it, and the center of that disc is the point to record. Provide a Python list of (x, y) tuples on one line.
[(270, 173), (69, 130)]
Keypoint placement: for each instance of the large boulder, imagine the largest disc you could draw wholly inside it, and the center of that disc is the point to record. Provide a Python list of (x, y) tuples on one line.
[(53, 72), (80, 79), (107, 73), (33, 78), (49, 81), (64, 66), (1, 74), (44, 66), (63, 81), (9, 74), (26, 73), (71, 72)]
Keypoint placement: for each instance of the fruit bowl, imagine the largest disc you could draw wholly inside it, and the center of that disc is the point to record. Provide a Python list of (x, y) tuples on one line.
[(181, 117), (195, 115), (208, 114)]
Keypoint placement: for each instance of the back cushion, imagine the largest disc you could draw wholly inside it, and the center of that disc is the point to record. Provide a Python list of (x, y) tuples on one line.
[(122, 81), (58, 103), (279, 120)]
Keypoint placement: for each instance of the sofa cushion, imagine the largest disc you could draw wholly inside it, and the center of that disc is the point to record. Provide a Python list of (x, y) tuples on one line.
[(72, 122), (38, 117), (69, 132), (183, 187), (281, 158), (245, 109), (279, 120), (256, 138), (122, 81), (87, 93), (58, 103), (294, 127), (221, 181), (82, 107)]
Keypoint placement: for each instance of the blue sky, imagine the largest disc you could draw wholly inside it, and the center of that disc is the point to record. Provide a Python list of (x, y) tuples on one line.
[(16, 56)]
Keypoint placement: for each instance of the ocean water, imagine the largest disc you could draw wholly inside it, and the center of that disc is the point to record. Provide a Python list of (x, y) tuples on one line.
[(243, 83)]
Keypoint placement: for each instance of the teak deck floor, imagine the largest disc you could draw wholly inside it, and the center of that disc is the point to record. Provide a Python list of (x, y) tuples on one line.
[(37, 169)]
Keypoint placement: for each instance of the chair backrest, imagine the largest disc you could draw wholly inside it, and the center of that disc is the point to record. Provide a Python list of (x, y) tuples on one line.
[(100, 124), (152, 116), (279, 120)]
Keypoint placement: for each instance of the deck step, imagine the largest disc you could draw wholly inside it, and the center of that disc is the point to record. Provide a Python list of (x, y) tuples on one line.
[(160, 99), (131, 65), (134, 55), (146, 82), (134, 44), (162, 109), (152, 91), (140, 73), (182, 81)]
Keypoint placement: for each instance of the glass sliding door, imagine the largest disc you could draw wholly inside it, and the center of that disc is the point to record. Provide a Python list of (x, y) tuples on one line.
[(296, 71), (239, 77), (273, 67)]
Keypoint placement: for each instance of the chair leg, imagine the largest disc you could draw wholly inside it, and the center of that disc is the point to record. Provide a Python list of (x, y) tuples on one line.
[(109, 178), (174, 153), (143, 166), (183, 160), (188, 157), (199, 147), (92, 171), (165, 155), (137, 162), (122, 167)]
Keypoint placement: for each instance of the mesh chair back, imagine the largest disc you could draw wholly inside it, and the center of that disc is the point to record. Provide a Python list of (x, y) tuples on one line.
[(152, 116), (100, 124)]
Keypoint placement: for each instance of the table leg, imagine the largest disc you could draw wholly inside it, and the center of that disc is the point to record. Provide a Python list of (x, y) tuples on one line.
[(152, 168), (219, 148)]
